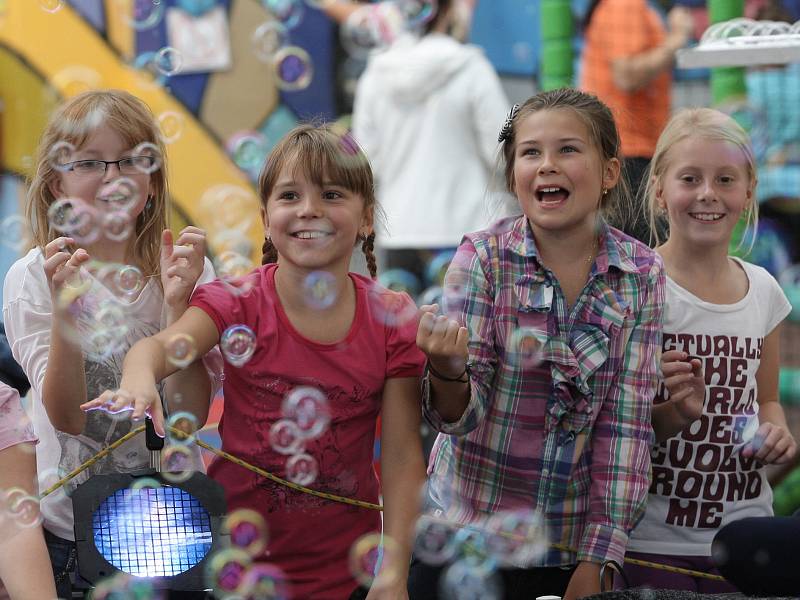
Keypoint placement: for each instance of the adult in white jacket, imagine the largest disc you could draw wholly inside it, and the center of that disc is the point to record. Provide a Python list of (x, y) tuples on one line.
[(427, 111)]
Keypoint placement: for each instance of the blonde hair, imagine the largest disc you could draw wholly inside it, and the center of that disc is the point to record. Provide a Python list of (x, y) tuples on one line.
[(321, 152), (709, 124), (74, 122), (603, 132)]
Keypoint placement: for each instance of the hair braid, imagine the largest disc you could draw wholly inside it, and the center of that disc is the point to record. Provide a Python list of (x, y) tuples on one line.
[(270, 254), (367, 247)]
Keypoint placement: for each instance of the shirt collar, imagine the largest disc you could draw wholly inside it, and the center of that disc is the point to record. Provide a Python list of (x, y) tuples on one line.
[(612, 251)]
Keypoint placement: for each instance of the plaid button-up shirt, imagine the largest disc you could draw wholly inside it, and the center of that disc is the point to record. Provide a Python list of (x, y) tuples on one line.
[(567, 434)]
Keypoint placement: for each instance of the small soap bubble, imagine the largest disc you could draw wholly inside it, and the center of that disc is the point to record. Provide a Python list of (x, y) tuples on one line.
[(472, 545), (171, 125), (117, 225), (266, 582), (432, 295), (525, 347), (417, 12), (268, 38), (248, 149), (302, 469), (320, 290), (128, 280), (226, 569), (186, 424), (22, 508), (373, 552), (464, 581), (168, 61), (15, 233), (238, 343), (390, 309), (121, 194), (437, 267), (65, 215), (51, 6), (308, 407), (285, 437), (144, 14), (293, 68), (288, 12), (148, 149), (143, 484), (181, 350), (248, 530), (232, 269), (517, 539), (177, 463), (229, 206), (434, 542)]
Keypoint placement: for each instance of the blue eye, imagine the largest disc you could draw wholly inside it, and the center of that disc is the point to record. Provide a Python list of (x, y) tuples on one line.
[(531, 152), (569, 149)]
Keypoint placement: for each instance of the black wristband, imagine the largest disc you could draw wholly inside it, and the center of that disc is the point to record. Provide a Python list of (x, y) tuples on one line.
[(435, 373)]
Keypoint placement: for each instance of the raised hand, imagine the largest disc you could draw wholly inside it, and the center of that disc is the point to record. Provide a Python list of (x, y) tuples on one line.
[(685, 383), (61, 266), (771, 444), (444, 341), (181, 265), (141, 401)]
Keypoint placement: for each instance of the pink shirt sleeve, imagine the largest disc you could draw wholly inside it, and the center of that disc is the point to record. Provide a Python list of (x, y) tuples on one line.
[(403, 358), (15, 426)]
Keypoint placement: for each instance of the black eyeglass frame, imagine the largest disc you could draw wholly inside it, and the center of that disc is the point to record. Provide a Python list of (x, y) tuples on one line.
[(70, 166)]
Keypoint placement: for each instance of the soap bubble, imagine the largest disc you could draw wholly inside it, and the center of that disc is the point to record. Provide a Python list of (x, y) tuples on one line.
[(302, 469), (308, 407), (238, 343)]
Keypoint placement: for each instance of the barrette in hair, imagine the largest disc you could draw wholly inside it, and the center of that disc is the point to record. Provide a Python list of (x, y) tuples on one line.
[(505, 132)]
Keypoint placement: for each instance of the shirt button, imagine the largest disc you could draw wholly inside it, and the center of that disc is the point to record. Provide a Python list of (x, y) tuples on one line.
[(545, 472)]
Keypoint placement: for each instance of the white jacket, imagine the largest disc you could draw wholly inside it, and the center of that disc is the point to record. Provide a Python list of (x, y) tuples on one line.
[(428, 112)]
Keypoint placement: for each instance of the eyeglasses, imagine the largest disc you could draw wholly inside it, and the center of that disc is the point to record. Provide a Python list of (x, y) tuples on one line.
[(132, 165)]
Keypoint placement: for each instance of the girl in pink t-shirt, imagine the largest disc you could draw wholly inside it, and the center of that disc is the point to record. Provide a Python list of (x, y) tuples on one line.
[(314, 354), (24, 563)]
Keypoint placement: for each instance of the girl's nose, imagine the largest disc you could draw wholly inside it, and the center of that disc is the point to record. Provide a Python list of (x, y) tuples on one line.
[(548, 165), (309, 207)]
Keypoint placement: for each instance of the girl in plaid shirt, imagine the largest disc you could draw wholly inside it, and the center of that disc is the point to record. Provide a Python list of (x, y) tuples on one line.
[(542, 371)]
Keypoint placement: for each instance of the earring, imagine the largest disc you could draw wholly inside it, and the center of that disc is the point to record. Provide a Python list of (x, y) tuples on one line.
[(605, 191)]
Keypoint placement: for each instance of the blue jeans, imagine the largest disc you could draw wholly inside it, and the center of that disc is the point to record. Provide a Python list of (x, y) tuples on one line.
[(64, 559)]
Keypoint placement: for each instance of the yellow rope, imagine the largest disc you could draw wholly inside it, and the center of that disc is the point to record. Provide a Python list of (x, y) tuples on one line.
[(332, 497)]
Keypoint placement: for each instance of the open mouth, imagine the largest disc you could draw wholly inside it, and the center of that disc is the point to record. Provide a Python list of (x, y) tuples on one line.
[(706, 217), (551, 195)]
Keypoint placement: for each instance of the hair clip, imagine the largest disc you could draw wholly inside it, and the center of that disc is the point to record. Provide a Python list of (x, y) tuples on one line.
[(505, 132)]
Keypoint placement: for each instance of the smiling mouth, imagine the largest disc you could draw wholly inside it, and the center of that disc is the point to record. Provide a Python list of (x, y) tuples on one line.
[(310, 235), (551, 195), (706, 217)]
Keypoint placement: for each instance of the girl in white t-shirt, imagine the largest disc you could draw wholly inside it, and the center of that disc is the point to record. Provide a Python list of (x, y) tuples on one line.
[(104, 273), (716, 417)]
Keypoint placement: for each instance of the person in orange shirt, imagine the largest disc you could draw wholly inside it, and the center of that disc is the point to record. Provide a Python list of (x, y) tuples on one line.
[(627, 62)]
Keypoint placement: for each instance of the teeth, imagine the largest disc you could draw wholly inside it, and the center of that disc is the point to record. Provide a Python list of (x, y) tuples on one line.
[(310, 235), (550, 190), (707, 216)]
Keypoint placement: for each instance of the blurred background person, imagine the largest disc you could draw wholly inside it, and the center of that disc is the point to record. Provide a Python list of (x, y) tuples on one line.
[(627, 62)]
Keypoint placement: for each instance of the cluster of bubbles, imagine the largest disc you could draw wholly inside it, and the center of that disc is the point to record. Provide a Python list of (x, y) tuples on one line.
[(122, 586), (232, 572), (475, 552), (305, 415)]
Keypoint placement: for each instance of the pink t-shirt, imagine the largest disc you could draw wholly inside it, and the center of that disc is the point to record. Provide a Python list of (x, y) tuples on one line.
[(15, 426), (309, 537)]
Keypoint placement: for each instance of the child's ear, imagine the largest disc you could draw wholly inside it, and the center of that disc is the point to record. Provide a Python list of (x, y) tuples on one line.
[(611, 173), (367, 225), (55, 187), (265, 220)]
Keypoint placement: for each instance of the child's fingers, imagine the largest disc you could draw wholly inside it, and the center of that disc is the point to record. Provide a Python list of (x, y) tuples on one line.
[(184, 273), (98, 402), (59, 244), (462, 341), (673, 356), (425, 327), (773, 442), (192, 239), (672, 368), (57, 260), (788, 454), (675, 382), (166, 244)]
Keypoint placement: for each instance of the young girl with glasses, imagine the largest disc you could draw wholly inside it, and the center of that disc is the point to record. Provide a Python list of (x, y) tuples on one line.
[(104, 272), (314, 354)]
